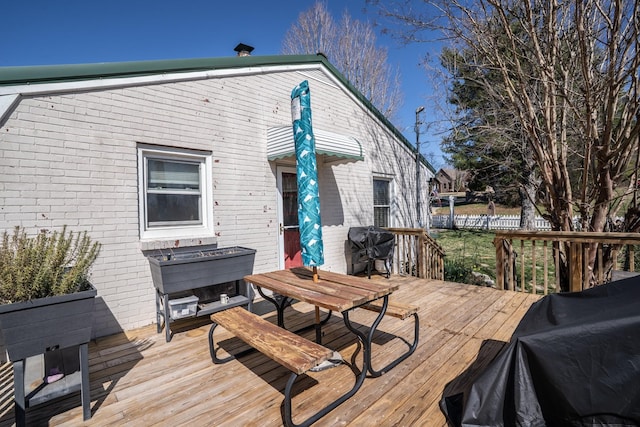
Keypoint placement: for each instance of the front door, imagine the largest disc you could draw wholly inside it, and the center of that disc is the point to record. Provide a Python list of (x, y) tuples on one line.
[(289, 236)]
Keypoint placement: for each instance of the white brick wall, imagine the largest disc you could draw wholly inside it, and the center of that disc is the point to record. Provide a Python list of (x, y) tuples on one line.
[(71, 159)]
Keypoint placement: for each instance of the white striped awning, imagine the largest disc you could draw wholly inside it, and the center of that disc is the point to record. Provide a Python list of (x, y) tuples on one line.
[(280, 144)]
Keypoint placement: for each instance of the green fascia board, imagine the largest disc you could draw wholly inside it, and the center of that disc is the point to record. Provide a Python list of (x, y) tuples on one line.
[(40, 74), (106, 70)]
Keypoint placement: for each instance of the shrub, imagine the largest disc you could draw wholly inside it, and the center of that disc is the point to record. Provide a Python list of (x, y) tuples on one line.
[(48, 264), (455, 270)]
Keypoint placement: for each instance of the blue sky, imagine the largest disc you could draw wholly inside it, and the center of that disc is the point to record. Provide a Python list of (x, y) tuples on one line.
[(42, 32)]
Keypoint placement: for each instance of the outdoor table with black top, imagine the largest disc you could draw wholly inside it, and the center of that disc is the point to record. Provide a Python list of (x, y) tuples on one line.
[(333, 292)]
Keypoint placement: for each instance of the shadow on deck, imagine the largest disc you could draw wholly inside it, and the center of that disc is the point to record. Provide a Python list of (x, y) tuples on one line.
[(139, 379)]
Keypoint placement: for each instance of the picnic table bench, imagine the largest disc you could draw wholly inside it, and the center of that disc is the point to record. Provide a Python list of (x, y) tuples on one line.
[(394, 309), (292, 351)]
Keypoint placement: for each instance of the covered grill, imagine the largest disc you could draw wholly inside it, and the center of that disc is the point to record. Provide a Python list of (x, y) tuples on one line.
[(572, 361), (369, 244)]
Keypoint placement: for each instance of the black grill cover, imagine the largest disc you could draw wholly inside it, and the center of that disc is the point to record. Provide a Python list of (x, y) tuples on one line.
[(370, 243), (574, 360)]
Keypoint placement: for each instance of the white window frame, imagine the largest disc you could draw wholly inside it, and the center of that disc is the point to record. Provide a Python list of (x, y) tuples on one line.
[(389, 181), (206, 203)]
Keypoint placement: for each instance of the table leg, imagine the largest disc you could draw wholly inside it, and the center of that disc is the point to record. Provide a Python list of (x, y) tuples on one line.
[(85, 393), (167, 316), (324, 411), (366, 339), (366, 345), (19, 393), (158, 298), (280, 303), (212, 349), (318, 326)]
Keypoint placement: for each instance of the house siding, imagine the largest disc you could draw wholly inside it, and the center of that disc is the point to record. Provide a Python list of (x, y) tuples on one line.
[(71, 158)]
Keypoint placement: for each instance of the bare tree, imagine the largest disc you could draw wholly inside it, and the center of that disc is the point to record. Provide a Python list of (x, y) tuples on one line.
[(486, 138), (351, 48), (570, 73)]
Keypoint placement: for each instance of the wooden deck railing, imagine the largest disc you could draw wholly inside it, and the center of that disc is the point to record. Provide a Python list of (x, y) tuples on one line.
[(417, 254), (552, 261)]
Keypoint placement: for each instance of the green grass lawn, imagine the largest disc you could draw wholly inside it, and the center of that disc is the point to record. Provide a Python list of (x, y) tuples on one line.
[(467, 250), (473, 250)]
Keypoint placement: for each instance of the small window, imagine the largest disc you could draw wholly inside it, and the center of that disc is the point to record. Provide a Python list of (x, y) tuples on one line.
[(381, 202), (174, 193)]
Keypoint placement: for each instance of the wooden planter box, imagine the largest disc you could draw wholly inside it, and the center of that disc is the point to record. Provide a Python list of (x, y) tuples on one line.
[(30, 328)]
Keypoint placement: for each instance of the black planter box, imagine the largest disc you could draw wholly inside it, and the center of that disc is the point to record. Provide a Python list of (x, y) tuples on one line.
[(197, 269), (194, 270), (30, 328)]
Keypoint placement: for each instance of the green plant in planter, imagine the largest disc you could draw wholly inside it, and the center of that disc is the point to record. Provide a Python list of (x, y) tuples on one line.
[(45, 265)]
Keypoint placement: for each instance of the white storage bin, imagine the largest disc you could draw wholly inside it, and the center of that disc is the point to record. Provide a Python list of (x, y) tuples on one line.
[(183, 307)]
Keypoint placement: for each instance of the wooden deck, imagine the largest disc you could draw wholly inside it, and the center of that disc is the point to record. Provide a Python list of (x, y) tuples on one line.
[(139, 379)]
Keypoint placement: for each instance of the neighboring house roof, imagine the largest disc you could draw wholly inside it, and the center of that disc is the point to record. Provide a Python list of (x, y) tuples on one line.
[(452, 174), (442, 175), (17, 80)]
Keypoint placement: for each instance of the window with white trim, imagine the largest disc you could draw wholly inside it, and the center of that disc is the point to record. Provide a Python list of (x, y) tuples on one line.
[(175, 188), (381, 202)]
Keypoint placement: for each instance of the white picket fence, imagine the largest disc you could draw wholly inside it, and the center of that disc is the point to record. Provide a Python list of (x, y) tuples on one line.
[(498, 222)]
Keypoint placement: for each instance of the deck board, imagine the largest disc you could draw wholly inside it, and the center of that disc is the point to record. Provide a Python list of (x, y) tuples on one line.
[(137, 378)]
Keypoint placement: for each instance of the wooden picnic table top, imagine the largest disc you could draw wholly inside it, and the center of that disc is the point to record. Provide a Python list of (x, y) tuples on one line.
[(332, 291)]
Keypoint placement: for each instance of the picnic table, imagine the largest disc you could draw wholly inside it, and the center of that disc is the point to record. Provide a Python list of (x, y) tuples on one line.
[(332, 292)]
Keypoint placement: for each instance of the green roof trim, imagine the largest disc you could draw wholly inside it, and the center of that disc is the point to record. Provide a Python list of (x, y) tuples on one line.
[(41, 74), (106, 70)]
